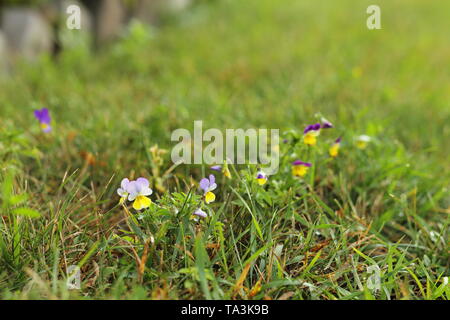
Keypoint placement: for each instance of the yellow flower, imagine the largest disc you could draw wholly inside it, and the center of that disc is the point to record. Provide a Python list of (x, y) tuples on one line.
[(334, 149), (300, 168), (310, 134)]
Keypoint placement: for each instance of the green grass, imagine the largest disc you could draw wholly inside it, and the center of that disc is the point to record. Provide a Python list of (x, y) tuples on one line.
[(235, 64)]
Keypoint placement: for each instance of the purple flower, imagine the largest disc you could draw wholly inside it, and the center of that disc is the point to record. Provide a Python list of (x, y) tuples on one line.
[(261, 177), (312, 127), (44, 119), (200, 213), (216, 168), (301, 163), (208, 185), (138, 188), (338, 140)]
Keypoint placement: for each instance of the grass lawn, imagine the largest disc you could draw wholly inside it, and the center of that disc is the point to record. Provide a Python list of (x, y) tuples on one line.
[(235, 64)]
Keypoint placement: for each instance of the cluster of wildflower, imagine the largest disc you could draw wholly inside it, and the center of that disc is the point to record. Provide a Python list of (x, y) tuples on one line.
[(138, 191), (310, 138)]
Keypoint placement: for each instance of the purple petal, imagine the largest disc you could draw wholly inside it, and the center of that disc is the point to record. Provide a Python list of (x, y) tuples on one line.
[(212, 179), (204, 184), (216, 168), (312, 127), (133, 189), (301, 163), (143, 183), (338, 140), (327, 125), (124, 183), (43, 115)]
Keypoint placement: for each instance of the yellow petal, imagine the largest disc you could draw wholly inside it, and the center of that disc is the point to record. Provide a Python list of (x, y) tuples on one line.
[(334, 150), (262, 181), (299, 171), (141, 202), (210, 197), (309, 139)]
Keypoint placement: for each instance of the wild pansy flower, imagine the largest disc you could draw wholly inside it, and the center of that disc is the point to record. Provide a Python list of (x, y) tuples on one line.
[(300, 168), (123, 190), (334, 149), (138, 191), (200, 213), (208, 186), (362, 141), (310, 134), (261, 177), (44, 119)]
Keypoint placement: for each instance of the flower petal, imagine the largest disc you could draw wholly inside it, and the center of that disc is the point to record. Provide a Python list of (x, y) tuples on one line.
[(204, 184)]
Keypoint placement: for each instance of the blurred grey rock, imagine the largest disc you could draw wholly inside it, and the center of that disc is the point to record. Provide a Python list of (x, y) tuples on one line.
[(3, 54), (27, 33), (110, 20), (149, 11)]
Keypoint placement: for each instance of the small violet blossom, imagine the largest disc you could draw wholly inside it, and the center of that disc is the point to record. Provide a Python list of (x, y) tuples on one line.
[(208, 186), (138, 191), (310, 134), (43, 116), (261, 177), (334, 149), (300, 168)]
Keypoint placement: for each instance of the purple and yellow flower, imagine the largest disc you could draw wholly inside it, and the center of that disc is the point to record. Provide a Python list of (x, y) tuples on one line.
[(310, 134), (123, 190), (44, 119), (362, 141), (261, 177), (334, 149), (138, 191), (300, 168), (208, 186)]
